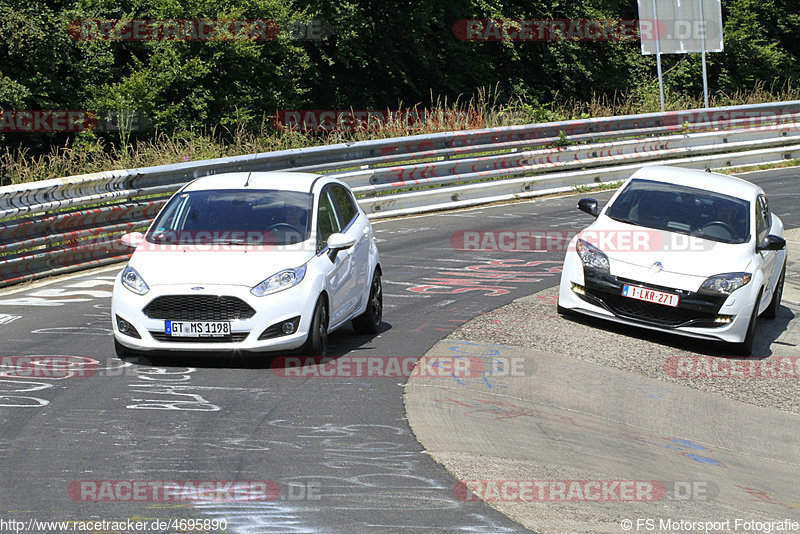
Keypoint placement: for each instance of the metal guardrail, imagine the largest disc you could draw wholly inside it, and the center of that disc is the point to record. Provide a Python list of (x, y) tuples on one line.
[(66, 224)]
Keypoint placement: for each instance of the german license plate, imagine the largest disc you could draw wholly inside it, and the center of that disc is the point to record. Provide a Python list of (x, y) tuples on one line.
[(197, 328), (650, 295)]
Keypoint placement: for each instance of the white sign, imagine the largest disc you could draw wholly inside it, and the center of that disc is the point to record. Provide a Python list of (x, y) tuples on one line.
[(680, 26)]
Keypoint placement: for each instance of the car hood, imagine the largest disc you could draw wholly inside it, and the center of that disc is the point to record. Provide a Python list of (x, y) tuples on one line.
[(237, 265), (664, 258)]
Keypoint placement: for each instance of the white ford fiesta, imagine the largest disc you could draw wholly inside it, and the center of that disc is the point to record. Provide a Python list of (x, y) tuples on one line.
[(260, 261), (678, 250)]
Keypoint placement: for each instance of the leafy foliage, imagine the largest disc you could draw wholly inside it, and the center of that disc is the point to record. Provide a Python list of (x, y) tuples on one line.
[(378, 55)]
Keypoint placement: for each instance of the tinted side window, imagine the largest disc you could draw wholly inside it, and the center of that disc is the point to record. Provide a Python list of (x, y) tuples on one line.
[(326, 220), (344, 203), (763, 218)]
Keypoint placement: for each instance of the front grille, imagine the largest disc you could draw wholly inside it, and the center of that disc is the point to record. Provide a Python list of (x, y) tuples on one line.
[(236, 337), (198, 308), (654, 313), (693, 308)]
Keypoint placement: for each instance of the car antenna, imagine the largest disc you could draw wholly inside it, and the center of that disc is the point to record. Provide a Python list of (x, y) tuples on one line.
[(248, 179)]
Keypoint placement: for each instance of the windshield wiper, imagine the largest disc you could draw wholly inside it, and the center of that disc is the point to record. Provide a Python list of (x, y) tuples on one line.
[(229, 241), (627, 221)]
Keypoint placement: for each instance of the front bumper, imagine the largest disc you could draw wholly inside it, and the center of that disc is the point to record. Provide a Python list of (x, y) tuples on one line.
[(700, 316), (270, 311), (693, 309)]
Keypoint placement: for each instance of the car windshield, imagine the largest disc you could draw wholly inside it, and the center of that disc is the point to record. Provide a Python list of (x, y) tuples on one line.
[(234, 217), (685, 210)]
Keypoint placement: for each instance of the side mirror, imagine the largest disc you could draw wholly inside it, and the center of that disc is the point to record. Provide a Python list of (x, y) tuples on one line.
[(771, 242), (337, 242), (588, 205), (132, 239)]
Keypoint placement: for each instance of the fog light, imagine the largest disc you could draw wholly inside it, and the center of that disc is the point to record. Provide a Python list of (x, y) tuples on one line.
[(284, 328), (723, 319), (578, 289), (127, 328)]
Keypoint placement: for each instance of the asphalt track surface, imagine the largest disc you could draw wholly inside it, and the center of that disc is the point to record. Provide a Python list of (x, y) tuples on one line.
[(338, 450)]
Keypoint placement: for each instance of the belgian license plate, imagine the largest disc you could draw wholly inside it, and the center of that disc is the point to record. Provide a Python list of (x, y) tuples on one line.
[(197, 328), (650, 295)]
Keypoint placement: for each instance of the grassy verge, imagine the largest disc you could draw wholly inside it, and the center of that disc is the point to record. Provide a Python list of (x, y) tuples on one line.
[(597, 187), (88, 153), (760, 167)]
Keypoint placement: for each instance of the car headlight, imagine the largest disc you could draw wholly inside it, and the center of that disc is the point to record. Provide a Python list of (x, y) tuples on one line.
[(724, 284), (591, 256), (134, 281), (280, 281)]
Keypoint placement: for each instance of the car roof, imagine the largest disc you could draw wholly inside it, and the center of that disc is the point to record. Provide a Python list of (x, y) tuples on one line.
[(280, 180), (712, 181)]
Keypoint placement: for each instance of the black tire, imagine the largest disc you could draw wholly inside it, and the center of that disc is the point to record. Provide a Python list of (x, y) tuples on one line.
[(772, 310), (745, 348), (317, 342), (369, 322)]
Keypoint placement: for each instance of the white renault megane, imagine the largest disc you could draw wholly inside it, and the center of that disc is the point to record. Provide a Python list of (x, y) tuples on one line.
[(678, 250), (251, 261)]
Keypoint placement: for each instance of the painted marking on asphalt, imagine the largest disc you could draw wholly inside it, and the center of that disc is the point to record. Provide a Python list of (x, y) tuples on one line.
[(63, 293), (496, 409), (40, 302), (6, 318), (94, 282), (161, 385), (55, 280), (80, 291), (487, 277), (10, 390), (364, 460), (74, 330)]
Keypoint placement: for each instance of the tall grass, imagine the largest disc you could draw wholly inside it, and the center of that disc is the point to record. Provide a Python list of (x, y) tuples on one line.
[(88, 153)]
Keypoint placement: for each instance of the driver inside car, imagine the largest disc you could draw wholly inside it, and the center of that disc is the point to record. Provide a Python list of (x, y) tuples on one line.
[(295, 216), (289, 223), (733, 217)]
